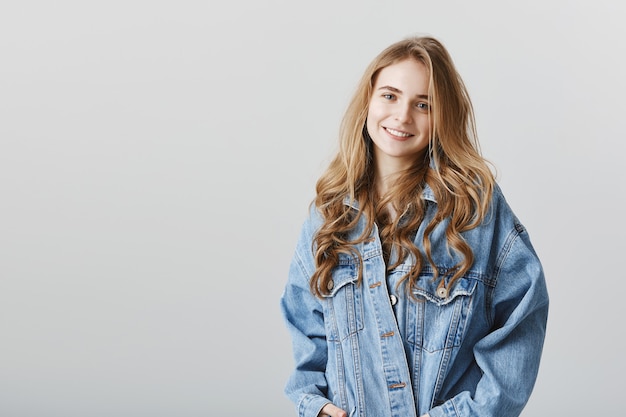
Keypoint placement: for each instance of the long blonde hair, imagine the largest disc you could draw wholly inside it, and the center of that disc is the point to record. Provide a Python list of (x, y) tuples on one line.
[(458, 175)]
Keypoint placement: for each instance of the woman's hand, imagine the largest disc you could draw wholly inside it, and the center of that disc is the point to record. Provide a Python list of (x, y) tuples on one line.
[(332, 411)]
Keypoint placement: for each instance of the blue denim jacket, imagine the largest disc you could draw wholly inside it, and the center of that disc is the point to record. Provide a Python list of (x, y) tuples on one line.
[(375, 352)]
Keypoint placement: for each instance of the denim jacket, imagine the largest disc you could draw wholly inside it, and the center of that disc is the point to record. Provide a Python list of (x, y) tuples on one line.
[(469, 350)]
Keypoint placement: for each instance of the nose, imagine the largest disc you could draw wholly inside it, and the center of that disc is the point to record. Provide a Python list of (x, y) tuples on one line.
[(404, 114)]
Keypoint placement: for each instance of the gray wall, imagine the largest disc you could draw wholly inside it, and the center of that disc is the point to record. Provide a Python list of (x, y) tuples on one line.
[(157, 159)]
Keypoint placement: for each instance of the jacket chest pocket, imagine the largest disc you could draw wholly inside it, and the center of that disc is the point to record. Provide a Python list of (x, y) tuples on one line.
[(438, 319), (343, 307)]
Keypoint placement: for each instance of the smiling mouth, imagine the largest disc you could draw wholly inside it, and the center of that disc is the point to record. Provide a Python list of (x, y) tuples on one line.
[(398, 133)]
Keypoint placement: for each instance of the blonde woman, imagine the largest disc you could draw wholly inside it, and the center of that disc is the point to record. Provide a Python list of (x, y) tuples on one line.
[(414, 290)]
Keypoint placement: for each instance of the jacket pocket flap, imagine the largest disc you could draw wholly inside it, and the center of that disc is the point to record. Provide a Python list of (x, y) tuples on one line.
[(342, 276), (427, 288)]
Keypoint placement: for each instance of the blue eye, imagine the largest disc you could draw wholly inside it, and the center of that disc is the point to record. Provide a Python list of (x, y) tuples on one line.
[(388, 96), (423, 106)]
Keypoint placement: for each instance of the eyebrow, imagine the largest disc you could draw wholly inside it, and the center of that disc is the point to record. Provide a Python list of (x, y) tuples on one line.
[(396, 90)]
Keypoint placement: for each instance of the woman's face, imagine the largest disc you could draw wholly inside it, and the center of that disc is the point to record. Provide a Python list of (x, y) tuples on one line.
[(397, 117)]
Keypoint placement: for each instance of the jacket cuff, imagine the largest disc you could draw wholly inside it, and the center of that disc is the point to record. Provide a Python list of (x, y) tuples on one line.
[(310, 405), (444, 410)]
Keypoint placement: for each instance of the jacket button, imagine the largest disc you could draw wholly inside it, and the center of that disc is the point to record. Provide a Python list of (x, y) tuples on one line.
[(442, 292), (330, 285), (393, 299)]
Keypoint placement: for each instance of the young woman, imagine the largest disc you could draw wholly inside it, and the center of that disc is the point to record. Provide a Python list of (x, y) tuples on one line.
[(414, 290)]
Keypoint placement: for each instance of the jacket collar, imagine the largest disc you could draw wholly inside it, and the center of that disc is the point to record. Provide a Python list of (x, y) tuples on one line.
[(427, 194)]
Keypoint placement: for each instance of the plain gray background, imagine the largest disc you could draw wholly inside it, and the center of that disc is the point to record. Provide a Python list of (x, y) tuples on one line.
[(157, 159)]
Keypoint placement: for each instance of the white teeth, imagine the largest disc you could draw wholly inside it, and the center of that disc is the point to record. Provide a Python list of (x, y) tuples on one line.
[(398, 133)]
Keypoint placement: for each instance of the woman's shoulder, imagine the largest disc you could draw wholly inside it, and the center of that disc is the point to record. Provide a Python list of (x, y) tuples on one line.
[(312, 221), (501, 213), (314, 218), (498, 199)]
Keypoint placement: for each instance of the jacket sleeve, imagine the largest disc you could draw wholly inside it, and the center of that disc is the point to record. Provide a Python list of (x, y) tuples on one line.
[(509, 355), (303, 314)]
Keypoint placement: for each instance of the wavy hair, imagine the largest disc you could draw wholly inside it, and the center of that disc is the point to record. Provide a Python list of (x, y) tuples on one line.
[(453, 168)]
